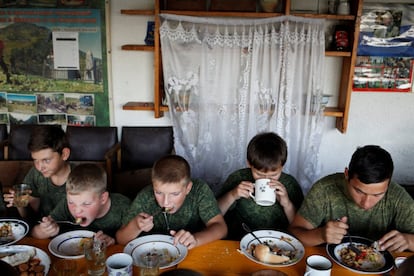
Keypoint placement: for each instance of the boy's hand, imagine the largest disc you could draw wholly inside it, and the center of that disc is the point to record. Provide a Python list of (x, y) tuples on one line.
[(243, 190), (185, 238), (282, 195), (144, 222), (108, 240), (9, 198), (394, 241), (48, 226), (335, 230)]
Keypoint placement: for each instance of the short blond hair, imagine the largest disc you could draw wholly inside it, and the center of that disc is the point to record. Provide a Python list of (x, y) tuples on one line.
[(86, 177), (171, 169)]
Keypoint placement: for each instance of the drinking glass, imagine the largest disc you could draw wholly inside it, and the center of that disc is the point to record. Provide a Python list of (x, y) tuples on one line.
[(21, 195), (149, 265), (95, 256)]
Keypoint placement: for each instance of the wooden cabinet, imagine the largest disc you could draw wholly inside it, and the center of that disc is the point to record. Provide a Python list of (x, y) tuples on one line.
[(352, 21)]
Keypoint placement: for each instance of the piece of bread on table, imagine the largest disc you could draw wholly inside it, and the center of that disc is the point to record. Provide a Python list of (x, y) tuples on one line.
[(262, 253)]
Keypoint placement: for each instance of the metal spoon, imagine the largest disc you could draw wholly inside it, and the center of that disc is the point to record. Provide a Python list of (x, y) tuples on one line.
[(248, 230)]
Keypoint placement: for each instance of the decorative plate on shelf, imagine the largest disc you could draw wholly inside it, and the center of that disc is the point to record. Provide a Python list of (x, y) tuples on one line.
[(12, 231), (40, 254), (372, 261), (162, 245), (274, 239), (70, 245)]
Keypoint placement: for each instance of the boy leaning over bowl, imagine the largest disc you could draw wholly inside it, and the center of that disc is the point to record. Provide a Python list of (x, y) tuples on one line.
[(88, 204), (361, 201), (266, 155), (174, 205)]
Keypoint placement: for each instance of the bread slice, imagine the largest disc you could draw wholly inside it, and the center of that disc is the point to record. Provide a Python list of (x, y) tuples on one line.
[(262, 253)]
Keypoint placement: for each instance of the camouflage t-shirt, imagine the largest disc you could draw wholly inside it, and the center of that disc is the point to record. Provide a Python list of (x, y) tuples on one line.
[(50, 194), (329, 199), (198, 208), (256, 216), (109, 223)]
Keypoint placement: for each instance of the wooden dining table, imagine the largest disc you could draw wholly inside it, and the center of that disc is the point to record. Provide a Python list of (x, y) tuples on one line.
[(218, 258)]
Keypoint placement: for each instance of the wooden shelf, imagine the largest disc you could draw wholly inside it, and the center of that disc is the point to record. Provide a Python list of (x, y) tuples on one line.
[(341, 112), (142, 106), (333, 112), (138, 12), (136, 47)]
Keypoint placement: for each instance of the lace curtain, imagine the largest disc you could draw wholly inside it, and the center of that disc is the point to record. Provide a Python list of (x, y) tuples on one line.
[(226, 80)]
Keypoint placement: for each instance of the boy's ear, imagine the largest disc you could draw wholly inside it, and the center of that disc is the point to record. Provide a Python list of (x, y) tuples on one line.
[(188, 188), (104, 197), (65, 153)]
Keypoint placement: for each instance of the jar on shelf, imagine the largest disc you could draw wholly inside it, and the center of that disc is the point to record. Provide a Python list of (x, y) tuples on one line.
[(344, 8)]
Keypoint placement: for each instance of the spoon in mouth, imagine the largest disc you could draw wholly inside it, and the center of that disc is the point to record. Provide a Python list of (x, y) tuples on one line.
[(164, 210)]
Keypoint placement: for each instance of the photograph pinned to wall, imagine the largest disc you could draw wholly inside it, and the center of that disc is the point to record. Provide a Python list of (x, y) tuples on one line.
[(41, 75), (386, 30), (80, 104), (51, 103), (52, 119), (383, 74), (23, 119), (22, 103), (4, 118), (81, 120), (3, 102)]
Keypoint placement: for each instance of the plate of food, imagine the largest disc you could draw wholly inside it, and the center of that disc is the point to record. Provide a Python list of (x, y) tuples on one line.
[(70, 245), (27, 259), (370, 261), (277, 249), (161, 245), (12, 230)]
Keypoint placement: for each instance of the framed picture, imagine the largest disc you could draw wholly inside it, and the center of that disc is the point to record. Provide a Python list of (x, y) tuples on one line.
[(387, 74)]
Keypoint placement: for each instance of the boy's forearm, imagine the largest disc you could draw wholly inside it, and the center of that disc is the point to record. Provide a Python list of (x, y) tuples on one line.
[(127, 232), (309, 237), (214, 231), (225, 202)]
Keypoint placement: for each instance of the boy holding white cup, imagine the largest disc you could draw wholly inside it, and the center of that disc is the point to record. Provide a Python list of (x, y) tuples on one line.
[(266, 156)]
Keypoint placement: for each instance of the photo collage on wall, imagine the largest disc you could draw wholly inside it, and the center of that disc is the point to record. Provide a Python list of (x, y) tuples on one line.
[(386, 49), (47, 108)]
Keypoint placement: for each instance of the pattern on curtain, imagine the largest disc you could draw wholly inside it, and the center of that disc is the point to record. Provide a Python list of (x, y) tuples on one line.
[(228, 79)]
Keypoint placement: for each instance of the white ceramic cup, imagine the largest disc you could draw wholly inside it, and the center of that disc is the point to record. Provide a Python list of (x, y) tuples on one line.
[(119, 264), (317, 265), (263, 194)]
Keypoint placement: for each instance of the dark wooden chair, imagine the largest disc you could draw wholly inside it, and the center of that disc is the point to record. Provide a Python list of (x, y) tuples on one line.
[(140, 147), (94, 145)]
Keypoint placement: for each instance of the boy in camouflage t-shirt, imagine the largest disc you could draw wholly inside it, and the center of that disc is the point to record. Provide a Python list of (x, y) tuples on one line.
[(50, 151), (174, 205), (266, 155), (361, 201), (87, 203)]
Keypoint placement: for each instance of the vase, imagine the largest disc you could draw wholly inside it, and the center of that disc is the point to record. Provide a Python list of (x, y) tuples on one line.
[(269, 5)]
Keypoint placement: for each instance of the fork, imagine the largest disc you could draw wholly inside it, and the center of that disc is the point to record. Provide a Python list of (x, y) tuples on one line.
[(352, 247)]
